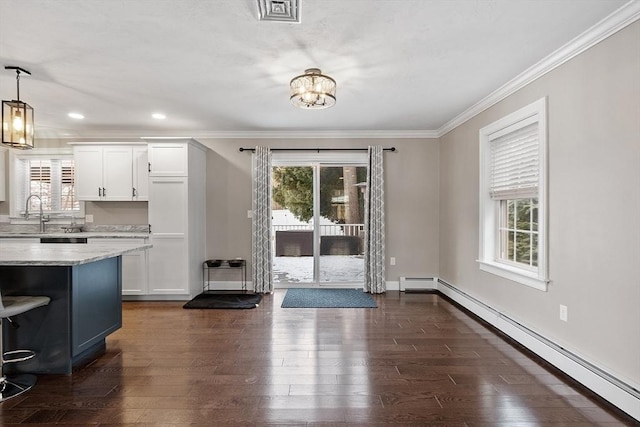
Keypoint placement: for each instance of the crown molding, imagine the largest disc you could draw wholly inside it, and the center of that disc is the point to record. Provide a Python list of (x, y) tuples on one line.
[(617, 20), (266, 134), (324, 134)]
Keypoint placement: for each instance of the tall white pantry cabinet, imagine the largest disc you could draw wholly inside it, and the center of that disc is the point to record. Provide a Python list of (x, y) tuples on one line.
[(177, 202)]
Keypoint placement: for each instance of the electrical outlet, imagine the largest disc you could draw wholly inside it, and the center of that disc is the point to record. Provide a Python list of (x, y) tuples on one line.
[(249, 214), (88, 218), (564, 313), (392, 260)]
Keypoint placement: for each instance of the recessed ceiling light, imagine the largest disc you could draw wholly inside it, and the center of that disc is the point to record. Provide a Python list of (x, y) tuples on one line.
[(158, 116), (76, 116)]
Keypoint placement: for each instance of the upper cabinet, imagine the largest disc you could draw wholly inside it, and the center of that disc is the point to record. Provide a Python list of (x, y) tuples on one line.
[(168, 159), (112, 172)]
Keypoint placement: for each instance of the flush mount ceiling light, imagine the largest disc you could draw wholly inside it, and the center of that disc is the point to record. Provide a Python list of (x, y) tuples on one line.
[(279, 10), (17, 118), (313, 90)]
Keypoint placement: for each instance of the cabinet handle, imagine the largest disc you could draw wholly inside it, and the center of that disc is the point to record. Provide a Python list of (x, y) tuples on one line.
[(99, 192), (133, 194), (149, 166), (104, 192)]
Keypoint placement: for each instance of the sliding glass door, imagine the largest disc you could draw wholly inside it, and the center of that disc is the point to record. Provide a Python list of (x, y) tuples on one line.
[(318, 223)]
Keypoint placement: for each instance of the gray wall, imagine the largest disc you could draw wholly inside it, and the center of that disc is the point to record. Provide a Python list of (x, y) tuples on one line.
[(411, 186), (594, 207)]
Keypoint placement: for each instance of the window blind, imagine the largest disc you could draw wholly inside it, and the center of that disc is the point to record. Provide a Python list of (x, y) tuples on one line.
[(515, 164)]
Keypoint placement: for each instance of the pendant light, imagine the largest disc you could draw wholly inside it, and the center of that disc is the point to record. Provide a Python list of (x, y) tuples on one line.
[(17, 118)]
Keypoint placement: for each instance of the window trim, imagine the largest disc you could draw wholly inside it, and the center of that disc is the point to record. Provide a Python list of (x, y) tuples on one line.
[(37, 153), (488, 213)]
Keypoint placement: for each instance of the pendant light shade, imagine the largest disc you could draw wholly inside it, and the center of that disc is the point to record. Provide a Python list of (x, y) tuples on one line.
[(313, 90), (17, 118)]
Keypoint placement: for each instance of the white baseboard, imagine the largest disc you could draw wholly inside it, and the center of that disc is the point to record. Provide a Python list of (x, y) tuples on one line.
[(620, 393)]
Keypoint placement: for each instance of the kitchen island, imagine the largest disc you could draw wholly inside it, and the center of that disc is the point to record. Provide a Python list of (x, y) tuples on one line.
[(84, 283)]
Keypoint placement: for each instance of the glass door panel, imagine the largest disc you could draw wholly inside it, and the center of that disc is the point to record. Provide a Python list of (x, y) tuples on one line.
[(318, 224), (341, 224), (292, 222)]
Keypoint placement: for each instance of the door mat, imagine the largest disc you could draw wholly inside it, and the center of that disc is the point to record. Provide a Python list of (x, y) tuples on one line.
[(328, 298), (207, 300)]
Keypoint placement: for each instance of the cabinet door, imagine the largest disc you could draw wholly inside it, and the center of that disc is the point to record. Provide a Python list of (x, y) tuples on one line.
[(168, 159), (134, 273), (140, 174), (168, 258), (3, 184), (88, 172), (168, 266), (117, 173), (168, 205)]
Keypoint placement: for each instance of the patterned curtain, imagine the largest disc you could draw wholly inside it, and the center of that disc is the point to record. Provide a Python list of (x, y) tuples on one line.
[(374, 259), (261, 265)]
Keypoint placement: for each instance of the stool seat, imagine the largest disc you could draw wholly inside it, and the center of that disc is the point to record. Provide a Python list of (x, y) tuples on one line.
[(14, 305), (12, 386)]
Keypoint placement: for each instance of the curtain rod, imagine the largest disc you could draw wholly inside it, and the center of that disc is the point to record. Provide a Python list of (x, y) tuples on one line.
[(316, 149)]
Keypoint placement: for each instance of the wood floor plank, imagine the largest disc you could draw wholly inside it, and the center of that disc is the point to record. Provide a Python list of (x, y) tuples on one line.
[(416, 360)]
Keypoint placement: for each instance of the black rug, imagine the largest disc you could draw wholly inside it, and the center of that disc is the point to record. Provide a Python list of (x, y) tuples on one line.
[(207, 300)]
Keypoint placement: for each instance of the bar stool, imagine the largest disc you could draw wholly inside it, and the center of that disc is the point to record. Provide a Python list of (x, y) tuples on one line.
[(16, 384)]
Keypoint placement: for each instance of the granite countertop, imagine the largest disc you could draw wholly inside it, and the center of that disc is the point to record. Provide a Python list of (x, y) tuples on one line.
[(86, 231), (62, 254), (84, 234)]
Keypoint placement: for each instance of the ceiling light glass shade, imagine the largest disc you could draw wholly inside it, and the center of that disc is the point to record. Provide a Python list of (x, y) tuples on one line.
[(313, 90), (17, 124)]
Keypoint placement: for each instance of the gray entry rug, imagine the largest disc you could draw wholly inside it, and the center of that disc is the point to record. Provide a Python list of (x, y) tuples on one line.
[(328, 298)]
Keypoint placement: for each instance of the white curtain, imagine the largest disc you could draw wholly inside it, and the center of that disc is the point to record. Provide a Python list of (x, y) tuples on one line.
[(261, 265), (374, 258)]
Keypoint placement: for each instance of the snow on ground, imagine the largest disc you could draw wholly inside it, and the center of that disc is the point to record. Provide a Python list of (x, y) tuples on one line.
[(333, 268)]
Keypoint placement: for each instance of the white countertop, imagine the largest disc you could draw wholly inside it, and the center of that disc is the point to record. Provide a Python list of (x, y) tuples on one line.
[(62, 254)]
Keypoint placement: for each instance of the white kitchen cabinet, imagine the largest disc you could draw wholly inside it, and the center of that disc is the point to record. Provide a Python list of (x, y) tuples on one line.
[(88, 172), (168, 159), (112, 172), (134, 266), (140, 173), (3, 175), (177, 218)]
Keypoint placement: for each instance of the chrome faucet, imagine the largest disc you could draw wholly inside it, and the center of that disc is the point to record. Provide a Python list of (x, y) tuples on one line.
[(43, 219)]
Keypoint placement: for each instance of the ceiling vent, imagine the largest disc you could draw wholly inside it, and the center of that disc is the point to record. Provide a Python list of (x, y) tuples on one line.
[(279, 10)]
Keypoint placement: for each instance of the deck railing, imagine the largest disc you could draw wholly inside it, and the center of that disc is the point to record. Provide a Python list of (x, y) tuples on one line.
[(325, 230)]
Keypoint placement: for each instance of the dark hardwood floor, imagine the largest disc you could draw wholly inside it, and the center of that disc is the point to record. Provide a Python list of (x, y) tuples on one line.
[(415, 360)]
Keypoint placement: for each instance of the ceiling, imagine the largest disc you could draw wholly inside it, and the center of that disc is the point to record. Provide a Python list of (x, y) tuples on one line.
[(213, 68)]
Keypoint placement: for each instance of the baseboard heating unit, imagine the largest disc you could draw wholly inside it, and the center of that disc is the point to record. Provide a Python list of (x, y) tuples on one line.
[(418, 284)]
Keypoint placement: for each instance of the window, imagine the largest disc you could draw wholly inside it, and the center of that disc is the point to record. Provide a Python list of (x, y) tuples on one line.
[(48, 175), (513, 196)]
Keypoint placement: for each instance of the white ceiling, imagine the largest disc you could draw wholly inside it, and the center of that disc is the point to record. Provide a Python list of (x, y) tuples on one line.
[(213, 68)]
